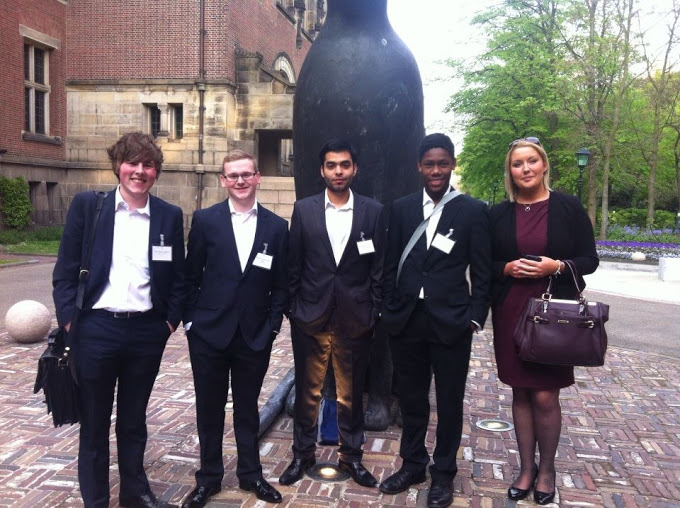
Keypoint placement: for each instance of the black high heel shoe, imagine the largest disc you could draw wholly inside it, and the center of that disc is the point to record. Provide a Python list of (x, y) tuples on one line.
[(515, 493), (545, 497)]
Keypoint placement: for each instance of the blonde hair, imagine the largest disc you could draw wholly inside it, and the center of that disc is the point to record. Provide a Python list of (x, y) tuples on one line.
[(510, 186), (237, 155)]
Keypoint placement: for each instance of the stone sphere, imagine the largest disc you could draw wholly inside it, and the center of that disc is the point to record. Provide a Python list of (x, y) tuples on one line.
[(28, 321), (638, 256)]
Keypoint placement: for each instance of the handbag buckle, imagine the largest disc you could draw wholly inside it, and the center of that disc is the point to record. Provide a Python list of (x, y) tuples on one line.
[(587, 324), (83, 274), (539, 320), (63, 361)]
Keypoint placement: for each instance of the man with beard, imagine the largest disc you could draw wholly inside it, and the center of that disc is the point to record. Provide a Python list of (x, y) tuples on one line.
[(335, 288), (431, 311)]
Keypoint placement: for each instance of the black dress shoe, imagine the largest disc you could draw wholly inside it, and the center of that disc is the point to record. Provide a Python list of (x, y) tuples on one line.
[(545, 497), (146, 501), (401, 481), (295, 470), (359, 473), (262, 490), (198, 497), (516, 494), (440, 495)]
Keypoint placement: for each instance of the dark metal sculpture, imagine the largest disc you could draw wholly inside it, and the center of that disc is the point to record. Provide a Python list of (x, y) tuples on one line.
[(360, 82)]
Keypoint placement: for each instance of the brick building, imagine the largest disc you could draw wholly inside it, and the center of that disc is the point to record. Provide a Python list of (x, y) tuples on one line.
[(203, 76)]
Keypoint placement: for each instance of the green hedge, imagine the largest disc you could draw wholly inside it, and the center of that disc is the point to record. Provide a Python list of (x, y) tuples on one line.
[(638, 217), (15, 203)]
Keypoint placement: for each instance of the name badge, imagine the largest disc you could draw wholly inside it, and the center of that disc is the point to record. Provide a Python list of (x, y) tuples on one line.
[(161, 253), (444, 243), (263, 261), (365, 246)]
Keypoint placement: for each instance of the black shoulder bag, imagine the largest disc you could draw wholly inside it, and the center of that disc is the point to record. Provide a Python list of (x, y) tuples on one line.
[(56, 367)]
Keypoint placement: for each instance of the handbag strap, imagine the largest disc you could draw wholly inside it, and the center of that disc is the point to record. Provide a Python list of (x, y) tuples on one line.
[(421, 228), (83, 275), (547, 296)]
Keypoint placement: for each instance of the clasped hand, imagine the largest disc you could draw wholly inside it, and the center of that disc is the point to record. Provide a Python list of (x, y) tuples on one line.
[(526, 269)]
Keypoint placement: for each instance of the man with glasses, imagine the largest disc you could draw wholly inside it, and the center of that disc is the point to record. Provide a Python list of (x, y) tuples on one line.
[(335, 277), (431, 311), (236, 294)]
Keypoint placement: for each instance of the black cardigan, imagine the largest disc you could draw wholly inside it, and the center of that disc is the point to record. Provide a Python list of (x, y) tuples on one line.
[(570, 236)]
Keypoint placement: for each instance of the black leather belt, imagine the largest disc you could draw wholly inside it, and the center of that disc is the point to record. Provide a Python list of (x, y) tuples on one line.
[(124, 315)]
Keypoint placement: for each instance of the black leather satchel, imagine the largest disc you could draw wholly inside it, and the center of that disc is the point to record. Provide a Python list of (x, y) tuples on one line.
[(56, 366), (563, 332)]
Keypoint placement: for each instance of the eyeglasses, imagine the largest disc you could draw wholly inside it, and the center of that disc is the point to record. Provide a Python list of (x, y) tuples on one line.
[(442, 164), (233, 177), (530, 139)]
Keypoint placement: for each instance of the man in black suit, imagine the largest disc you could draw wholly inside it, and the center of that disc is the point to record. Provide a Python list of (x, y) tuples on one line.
[(335, 281), (236, 295), (133, 302), (431, 311)]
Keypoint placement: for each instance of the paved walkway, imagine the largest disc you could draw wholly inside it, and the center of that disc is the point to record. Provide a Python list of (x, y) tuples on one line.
[(620, 445)]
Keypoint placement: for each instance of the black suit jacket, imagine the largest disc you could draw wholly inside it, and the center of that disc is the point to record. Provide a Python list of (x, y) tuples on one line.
[(570, 236), (220, 297), (167, 278), (450, 301), (318, 287)]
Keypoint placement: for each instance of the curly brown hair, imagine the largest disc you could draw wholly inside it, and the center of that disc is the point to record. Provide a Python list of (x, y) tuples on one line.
[(135, 147)]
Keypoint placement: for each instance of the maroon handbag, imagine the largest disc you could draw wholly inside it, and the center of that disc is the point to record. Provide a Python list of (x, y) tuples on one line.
[(562, 332)]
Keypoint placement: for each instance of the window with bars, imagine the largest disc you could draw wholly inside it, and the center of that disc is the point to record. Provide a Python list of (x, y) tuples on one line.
[(36, 89)]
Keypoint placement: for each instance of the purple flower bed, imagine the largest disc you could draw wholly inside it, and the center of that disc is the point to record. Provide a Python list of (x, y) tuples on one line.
[(637, 245)]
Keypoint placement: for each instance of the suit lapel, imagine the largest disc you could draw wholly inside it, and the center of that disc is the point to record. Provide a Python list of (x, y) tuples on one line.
[(319, 218), (445, 223), (415, 218), (105, 228), (229, 238), (260, 237), (154, 230), (357, 221)]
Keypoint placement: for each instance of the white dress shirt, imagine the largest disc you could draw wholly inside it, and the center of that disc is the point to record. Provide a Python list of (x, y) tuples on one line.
[(129, 286), (244, 225), (339, 224)]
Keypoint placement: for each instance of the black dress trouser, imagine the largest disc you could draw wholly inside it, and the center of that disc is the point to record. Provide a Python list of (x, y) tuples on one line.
[(415, 357)]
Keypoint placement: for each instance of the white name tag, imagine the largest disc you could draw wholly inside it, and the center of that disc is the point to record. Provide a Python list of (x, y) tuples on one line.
[(263, 261), (161, 253), (365, 247), (443, 243)]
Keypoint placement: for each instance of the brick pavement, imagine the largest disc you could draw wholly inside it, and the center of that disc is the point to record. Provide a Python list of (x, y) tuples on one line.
[(620, 445)]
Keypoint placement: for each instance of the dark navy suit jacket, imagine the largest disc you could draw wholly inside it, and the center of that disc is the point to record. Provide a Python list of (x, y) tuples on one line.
[(318, 287), (450, 301), (220, 297), (167, 278)]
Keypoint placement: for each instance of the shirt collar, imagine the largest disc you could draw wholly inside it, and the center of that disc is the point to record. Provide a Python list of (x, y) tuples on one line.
[(347, 206), (252, 211), (120, 203), (427, 200)]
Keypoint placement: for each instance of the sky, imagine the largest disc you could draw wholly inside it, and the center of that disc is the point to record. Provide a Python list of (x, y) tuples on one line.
[(435, 30)]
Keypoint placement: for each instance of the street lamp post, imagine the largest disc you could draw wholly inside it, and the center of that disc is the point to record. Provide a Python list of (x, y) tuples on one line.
[(582, 157)]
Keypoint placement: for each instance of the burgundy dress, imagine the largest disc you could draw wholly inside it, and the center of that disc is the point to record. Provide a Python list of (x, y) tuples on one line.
[(532, 238)]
